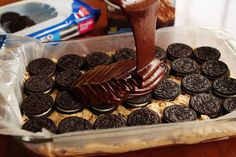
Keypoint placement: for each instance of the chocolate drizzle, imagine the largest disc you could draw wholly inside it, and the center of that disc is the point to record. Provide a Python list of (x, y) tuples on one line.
[(112, 84)]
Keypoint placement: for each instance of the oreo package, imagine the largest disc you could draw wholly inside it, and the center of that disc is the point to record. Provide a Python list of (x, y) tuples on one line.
[(50, 20)]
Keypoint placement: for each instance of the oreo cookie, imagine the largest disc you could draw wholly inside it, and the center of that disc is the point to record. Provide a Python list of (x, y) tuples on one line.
[(103, 108), (178, 113), (206, 104), (195, 83), (124, 54), (37, 124), (166, 90), (9, 16), (97, 58), (41, 66), (160, 53), (214, 69), (70, 61), (66, 78), (68, 104), (167, 71), (107, 121), (206, 53), (184, 66), (229, 105), (143, 116), (72, 124), (179, 50), (39, 84), (139, 101), (37, 105), (224, 87)]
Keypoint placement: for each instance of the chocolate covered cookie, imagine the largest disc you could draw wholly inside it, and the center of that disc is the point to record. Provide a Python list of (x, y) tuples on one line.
[(143, 116), (224, 87), (97, 58), (177, 113), (37, 124), (66, 78), (72, 124), (179, 50), (214, 69), (206, 53), (139, 101), (206, 104), (68, 104), (41, 66), (102, 108), (37, 105), (195, 83), (70, 61), (160, 53), (124, 54), (166, 90), (229, 105), (39, 84), (107, 121), (184, 66)]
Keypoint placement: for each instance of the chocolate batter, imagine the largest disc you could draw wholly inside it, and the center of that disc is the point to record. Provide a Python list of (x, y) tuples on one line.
[(112, 84)]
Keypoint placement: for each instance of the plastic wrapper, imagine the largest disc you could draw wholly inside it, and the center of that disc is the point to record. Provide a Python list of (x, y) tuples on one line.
[(18, 52)]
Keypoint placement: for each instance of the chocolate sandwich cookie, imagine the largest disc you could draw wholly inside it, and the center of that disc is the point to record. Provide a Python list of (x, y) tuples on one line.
[(184, 66), (143, 116), (179, 50), (41, 66), (167, 70), (68, 104), (70, 61), (195, 83), (229, 105), (66, 78), (206, 104), (9, 16), (97, 58), (37, 105), (37, 124), (72, 124), (206, 53), (139, 101), (124, 54), (224, 87), (39, 84), (166, 90), (102, 108), (107, 121), (178, 113), (160, 53), (214, 69)]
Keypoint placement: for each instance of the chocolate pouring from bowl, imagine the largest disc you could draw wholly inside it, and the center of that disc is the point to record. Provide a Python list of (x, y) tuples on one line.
[(114, 83)]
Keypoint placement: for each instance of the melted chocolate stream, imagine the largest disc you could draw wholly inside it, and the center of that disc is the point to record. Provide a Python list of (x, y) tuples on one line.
[(112, 84)]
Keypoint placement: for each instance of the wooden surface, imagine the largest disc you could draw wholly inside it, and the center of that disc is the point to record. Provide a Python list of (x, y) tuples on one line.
[(223, 17)]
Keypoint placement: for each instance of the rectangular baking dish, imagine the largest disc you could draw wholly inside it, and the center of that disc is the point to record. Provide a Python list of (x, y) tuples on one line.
[(121, 139)]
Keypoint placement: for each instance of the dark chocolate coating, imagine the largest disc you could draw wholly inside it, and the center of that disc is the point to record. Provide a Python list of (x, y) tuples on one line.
[(178, 113), (124, 54), (195, 83), (97, 58), (214, 69), (184, 66), (224, 87), (37, 105), (36, 125), (206, 53), (66, 78), (179, 50), (229, 105), (139, 101), (66, 103), (41, 66), (39, 84), (166, 90), (70, 61), (160, 53), (143, 116), (107, 121), (71, 124), (206, 104)]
